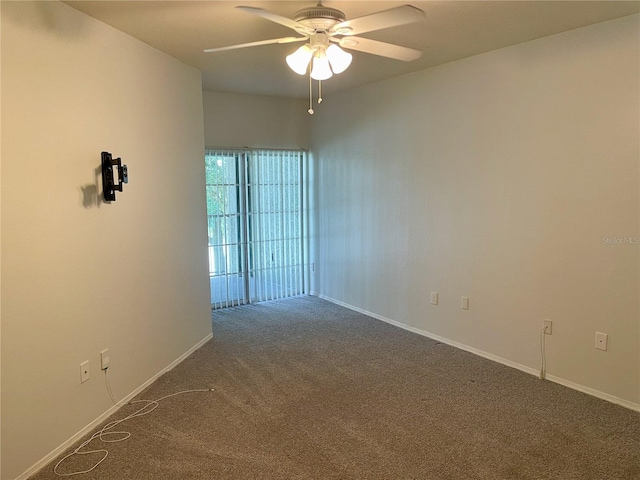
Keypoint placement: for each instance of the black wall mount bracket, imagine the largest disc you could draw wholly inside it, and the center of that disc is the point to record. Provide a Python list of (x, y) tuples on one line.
[(109, 186)]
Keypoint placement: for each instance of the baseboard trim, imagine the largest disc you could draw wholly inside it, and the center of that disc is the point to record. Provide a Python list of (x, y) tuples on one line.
[(490, 356), (91, 426)]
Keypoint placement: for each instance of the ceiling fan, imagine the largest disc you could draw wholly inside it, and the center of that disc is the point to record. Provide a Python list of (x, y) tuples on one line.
[(326, 29)]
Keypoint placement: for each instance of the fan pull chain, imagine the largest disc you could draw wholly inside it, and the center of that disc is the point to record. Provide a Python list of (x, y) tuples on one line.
[(310, 96), (319, 91)]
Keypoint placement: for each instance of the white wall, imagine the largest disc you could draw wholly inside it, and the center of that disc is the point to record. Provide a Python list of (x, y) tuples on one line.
[(495, 177), (237, 120), (78, 277)]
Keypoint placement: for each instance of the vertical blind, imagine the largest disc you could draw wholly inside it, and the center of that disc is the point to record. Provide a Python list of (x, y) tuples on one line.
[(256, 222)]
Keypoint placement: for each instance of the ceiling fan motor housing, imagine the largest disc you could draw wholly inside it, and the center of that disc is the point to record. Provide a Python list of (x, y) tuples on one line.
[(319, 18)]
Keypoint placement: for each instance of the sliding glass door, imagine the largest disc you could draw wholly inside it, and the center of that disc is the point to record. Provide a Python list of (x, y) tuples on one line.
[(226, 254), (256, 223)]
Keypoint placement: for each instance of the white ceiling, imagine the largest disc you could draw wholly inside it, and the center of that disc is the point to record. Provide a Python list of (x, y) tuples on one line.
[(450, 31)]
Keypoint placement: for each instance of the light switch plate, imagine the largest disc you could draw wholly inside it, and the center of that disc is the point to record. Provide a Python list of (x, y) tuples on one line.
[(434, 298)]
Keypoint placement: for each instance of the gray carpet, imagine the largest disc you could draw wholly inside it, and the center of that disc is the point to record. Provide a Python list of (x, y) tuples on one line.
[(305, 389)]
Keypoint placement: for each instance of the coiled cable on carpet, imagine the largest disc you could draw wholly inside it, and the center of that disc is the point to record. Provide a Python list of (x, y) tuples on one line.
[(105, 434)]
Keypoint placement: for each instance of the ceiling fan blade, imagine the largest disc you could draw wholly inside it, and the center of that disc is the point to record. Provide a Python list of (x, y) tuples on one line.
[(287, 22), (256, 44), (377, 21), (380, 48)]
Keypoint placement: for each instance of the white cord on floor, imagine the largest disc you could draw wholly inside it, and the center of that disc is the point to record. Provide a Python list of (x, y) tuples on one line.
[(543, 366), (150, 406)]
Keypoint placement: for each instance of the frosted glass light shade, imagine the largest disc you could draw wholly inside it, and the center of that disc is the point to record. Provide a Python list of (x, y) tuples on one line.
[(321, 69), (338, 58), (299, 60)]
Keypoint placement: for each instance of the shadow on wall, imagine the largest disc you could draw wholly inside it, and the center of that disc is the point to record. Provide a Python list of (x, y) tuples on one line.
[(92, 192), (44, 16)]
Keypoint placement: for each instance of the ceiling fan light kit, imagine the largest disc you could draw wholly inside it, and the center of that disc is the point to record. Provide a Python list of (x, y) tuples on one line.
[(325, 28), (326, 60), (338, 58), (299, 60), (321, 69)]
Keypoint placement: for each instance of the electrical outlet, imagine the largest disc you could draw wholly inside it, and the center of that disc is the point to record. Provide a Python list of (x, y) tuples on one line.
[(84, 371), (601, 341), (465, 303), (549, 327), (104, 359), (434, 298)]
